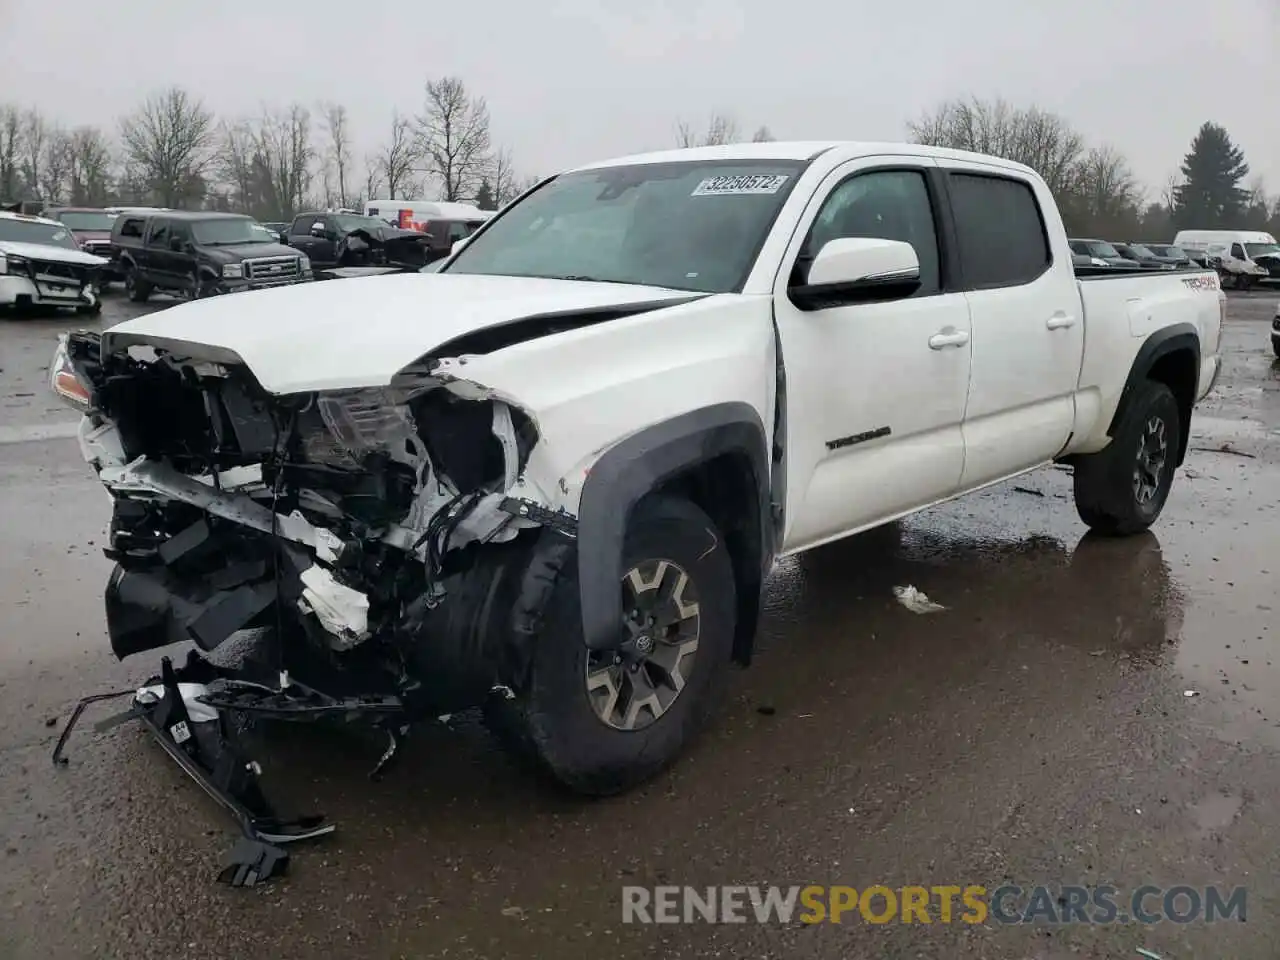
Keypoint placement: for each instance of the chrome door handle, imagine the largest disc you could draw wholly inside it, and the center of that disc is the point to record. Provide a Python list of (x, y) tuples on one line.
[(1060, 321), (948, 338)]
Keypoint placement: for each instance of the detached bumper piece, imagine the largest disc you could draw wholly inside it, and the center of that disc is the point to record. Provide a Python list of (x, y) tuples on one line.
[(182, 713)]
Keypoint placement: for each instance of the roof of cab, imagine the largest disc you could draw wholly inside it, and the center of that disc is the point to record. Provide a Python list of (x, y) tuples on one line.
[(186, 215), (801, 150), (6, 215)]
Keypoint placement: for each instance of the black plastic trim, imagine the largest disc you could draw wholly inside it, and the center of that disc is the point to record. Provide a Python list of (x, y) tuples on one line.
[(638, 465), (1180, 336)]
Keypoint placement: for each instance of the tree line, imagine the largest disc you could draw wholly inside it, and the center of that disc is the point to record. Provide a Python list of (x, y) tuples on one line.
[(172, 151), (1095, 187)]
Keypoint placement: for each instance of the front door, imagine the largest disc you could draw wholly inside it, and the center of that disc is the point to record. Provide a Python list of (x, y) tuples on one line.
[(875, 392)]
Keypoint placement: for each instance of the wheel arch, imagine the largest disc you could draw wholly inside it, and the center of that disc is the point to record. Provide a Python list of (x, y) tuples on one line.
[(1170, 356), (717, 457)]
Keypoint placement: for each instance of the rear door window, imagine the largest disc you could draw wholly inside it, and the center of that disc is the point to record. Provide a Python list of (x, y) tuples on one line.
[(999, 229), (132, 227)]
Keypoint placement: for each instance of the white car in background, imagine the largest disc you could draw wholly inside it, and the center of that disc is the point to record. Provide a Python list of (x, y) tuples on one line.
[(42, 265)]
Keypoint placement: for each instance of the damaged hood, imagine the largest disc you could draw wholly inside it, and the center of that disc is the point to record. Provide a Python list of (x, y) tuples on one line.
[(361, 332), (49, 253)]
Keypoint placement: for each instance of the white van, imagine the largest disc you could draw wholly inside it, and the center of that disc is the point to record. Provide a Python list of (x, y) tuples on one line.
[(1248, 256), (416, 214)]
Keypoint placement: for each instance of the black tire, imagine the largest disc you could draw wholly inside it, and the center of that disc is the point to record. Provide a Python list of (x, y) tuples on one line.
[(138, 290), (1275, 346), (201, 286), (552, 722), (1106, 484), (92, 309)]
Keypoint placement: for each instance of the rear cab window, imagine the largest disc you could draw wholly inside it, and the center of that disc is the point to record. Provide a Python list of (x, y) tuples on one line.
[(1000, 230)]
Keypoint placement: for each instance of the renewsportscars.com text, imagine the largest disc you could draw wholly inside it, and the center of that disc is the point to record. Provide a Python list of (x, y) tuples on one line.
[(970, 904)]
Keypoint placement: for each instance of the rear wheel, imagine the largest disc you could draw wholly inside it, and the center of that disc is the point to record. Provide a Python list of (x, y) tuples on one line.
[(600, 722), (1122, 489)]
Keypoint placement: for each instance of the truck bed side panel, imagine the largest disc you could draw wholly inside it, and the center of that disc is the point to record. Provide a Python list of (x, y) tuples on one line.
[(1121, 312)]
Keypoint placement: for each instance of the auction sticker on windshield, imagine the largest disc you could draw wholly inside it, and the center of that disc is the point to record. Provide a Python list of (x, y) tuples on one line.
[(750, 183)]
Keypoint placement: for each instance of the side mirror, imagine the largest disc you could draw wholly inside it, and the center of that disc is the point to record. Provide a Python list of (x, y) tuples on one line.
[(176, 244), (458, 245), (317, 229), (858, 270)]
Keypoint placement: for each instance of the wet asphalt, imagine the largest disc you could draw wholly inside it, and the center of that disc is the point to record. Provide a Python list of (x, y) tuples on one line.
[(1035, 731)]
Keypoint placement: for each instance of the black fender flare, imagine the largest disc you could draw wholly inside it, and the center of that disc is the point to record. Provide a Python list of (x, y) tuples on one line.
[(638, 465), (1179, 336)]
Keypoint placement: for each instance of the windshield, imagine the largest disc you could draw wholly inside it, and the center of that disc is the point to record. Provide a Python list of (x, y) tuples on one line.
[(1261, 249), (87, 219), (32, 231), (1139, 250), (229, 230), (685, 226), (1101, 249), (350, 221)]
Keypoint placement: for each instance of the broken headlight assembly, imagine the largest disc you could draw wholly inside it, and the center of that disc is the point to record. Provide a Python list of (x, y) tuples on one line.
[(64, 380), (11, 264), (362, 422)]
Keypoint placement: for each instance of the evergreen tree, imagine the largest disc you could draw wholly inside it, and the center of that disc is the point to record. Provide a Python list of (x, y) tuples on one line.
[(1210, 196), (484, 196)]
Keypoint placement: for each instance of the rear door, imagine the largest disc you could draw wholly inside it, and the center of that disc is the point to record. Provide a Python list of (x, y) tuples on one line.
[(157, 259), (1028, 331), (875, 391)]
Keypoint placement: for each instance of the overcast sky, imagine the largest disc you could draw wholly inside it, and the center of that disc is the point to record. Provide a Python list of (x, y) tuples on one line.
[(569, 81)]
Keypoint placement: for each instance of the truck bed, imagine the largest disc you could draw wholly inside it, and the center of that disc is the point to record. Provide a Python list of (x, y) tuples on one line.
[(1124, 305)]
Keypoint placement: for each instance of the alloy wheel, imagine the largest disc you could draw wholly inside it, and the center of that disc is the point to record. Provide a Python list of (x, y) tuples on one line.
[(1153, 456), (631, 688)]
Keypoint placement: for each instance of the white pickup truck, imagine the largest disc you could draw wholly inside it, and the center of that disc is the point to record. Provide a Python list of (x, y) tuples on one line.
[(552, 477)]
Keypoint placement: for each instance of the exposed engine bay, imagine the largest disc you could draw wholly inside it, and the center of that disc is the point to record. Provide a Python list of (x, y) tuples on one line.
[(373, 538)]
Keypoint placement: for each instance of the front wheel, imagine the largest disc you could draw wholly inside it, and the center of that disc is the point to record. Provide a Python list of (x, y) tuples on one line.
[(137, 289), (1122, 490), (601, 722)]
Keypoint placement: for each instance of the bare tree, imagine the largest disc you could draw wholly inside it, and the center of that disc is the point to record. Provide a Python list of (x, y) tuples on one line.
[(11, 150), (55, 165), (762, 135), (399, 157), (338, 150), (235, 165), (89, 172), (1169, 192), (284, 154), (1104, 197), (167, 143), (503, 178), (453, 136), (1043, 141), (721, 129), (372, 177), (34, 135)]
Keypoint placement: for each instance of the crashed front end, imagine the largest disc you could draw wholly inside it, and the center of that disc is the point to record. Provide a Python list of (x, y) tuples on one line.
[(379, 543)]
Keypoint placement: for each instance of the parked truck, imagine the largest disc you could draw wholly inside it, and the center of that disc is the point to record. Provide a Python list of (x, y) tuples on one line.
[(552, 477)]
